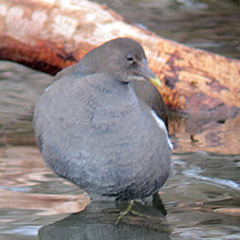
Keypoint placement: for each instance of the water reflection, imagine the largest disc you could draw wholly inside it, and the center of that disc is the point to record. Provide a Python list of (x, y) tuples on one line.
[(202, 198), (98, 221), (206, 187), (20, 88)]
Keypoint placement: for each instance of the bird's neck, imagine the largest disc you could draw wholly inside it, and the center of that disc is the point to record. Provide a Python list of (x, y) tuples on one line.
[(111, 84), (105, 90)]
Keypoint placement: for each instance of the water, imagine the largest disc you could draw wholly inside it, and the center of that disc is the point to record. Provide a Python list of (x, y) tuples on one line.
[(202, 198), (207, 24)]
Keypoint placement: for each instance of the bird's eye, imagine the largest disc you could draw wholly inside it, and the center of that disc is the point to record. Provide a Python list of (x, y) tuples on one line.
[(130, 58)]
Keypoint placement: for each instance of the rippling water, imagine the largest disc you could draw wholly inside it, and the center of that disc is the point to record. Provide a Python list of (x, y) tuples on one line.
[(202, 198), (207, 24)]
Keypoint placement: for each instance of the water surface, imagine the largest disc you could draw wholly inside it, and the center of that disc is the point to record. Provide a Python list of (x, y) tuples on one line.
[(202, 198), (207, 24)]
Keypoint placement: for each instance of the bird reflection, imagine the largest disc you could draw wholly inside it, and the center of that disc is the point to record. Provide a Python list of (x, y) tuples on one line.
[(98, 221)]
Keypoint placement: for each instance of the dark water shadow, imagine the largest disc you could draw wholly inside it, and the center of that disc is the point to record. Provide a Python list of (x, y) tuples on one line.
[(98, 221)]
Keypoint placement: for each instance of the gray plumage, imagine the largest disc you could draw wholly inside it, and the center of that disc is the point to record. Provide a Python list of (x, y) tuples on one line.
[(93, 130)]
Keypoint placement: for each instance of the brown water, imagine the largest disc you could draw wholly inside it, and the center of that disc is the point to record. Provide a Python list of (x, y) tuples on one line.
[(202, 198)]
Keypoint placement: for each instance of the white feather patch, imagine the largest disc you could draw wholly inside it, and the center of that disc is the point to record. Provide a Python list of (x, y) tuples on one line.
[(162, 125)]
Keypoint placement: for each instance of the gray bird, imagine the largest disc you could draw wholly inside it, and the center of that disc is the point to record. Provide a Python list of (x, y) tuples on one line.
[(96, 128)]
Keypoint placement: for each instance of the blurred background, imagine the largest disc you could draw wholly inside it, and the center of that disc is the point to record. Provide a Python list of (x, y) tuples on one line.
[(212, 25)]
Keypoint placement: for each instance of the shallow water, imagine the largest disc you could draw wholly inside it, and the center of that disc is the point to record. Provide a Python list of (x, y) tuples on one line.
[(202, 198)]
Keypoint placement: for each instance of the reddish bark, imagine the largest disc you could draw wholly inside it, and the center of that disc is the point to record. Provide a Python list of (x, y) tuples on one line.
[(51, 34)]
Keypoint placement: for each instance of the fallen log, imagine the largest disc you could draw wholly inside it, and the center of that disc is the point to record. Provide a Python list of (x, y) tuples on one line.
[(49, 35)]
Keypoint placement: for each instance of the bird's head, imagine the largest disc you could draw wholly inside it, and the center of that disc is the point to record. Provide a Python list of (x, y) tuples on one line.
[(122, 57)]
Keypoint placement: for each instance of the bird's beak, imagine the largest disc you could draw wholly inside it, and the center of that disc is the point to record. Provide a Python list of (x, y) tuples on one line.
[(147, 73)]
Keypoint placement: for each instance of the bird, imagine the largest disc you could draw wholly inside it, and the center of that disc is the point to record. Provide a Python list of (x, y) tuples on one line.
[(96, 127)]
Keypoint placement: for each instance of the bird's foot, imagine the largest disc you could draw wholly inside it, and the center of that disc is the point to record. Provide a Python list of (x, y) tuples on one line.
[(125, 211)]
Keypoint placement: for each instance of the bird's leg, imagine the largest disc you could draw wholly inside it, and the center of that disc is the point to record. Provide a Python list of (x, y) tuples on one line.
[(143, 209), (157, 203), (125, 211), (128, 210)]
